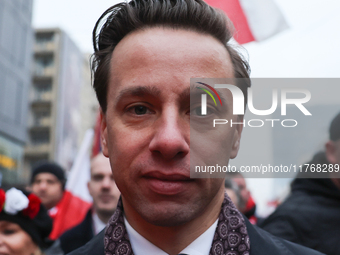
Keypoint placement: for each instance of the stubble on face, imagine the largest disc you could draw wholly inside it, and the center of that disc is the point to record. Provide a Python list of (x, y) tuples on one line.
[(102, 187), (146, 129)]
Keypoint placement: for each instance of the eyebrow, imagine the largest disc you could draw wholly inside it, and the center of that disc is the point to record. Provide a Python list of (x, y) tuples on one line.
[(7, 223), (139, 91), (195, 92), (185, 95)]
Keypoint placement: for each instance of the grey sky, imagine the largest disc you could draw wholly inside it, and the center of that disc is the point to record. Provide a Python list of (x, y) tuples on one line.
[(310, 48)]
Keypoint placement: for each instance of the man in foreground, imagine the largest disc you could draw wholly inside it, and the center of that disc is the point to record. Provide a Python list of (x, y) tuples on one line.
[(145, 54), (105, 194)]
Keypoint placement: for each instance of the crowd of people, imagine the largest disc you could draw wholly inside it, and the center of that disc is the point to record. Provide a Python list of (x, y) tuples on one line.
[(46, 219), (144, 201)]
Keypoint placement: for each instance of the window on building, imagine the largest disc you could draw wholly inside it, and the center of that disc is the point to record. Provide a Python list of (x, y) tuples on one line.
[(40, 116), (40, 137), (43, 38), (42, 63), (42, 89), (36, 160)]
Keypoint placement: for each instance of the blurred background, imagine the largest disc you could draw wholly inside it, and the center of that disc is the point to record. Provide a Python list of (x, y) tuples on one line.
[(47, 105)]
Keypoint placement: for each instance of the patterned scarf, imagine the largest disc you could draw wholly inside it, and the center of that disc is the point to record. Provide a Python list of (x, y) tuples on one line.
[(231, 236)]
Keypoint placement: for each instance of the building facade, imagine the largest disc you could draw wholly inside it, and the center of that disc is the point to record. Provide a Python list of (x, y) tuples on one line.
[(16, 37), (54, 120)]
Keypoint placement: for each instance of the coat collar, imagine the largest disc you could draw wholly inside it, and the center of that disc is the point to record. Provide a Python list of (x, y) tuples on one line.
[(231, 236)]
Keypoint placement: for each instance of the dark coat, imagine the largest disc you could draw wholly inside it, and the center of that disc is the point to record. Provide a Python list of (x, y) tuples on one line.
[(261, 243), (79, 235), (310, 216)]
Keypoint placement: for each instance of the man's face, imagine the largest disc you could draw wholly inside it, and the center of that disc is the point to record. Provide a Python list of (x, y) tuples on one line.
[(245, 193), (102, 186), (146, 129), (48, 188)]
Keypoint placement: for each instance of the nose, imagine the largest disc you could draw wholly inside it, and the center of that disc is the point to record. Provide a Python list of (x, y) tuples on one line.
[(42, 185), (171, 136), (106, 183)]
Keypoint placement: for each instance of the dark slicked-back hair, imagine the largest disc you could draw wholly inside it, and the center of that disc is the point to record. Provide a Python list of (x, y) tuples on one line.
[(127, 17)]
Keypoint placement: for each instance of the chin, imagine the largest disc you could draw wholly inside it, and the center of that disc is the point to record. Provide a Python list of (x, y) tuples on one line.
[(169, 216), (106, 211)]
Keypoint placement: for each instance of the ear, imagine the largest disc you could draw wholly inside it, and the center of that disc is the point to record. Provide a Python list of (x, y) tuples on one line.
[(237, 137), (103, 133), (330, 152)]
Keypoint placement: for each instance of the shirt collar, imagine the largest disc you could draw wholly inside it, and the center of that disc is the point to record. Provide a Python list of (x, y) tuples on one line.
[(98, 225), (141, 246)]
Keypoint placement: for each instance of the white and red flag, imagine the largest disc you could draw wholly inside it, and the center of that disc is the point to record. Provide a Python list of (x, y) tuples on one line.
[(254, 20)]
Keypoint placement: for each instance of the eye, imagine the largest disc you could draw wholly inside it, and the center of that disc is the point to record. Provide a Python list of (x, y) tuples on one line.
[(8, 231), (197, 111), (140, 109), (97, 178)]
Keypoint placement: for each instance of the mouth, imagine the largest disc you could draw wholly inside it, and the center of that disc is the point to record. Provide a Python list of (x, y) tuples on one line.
[(106, 198), (167, 184), (41, 196)]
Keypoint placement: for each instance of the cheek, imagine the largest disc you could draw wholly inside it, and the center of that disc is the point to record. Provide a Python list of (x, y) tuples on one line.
[(56, 190), (126, 143), (128, 148), (22, 243), (121, 182), (119, 143), (213, 147), (213, 186), (35, 188), (93, 189), (30, 246)]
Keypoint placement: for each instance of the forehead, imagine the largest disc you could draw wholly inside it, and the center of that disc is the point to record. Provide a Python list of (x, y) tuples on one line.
[(46, 176), (158, 55), (4, 224), (100, 164)]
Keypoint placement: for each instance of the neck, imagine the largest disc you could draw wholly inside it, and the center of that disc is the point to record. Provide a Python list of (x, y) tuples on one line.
[(173, 240), (103, 216), (54, 203)]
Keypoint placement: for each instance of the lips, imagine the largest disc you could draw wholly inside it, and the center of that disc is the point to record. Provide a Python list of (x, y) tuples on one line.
[(167, 184), (106, 198)]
